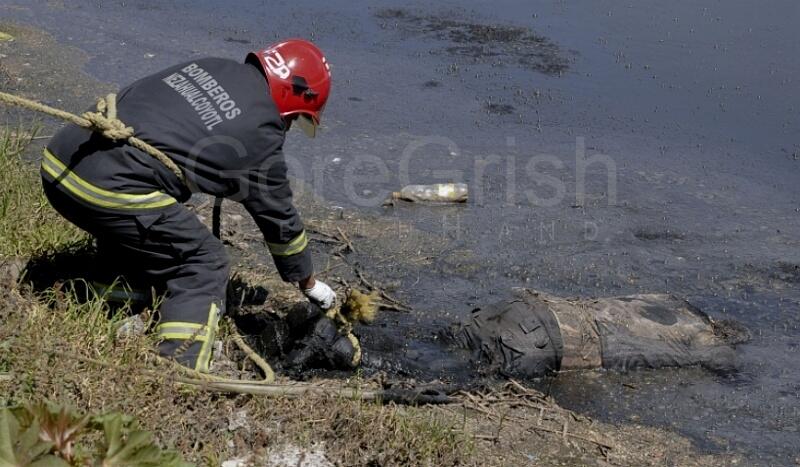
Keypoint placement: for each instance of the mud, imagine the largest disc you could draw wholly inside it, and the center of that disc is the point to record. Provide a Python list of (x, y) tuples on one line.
[(694, 104), (495, 44)]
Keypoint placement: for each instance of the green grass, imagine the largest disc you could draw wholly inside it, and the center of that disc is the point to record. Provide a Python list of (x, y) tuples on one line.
[(28, 225), (56, 436)]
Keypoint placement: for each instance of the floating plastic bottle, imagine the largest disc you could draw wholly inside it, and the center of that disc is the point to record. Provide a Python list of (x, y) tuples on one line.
[(437, 193)]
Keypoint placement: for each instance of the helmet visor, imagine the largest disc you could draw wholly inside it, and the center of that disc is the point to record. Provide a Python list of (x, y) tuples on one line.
[(307, 124)]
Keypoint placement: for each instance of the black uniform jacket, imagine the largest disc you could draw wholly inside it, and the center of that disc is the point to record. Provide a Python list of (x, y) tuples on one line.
[(216, 120)]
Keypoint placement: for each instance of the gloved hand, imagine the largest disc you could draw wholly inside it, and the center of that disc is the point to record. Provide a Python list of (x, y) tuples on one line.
[(321, 294)]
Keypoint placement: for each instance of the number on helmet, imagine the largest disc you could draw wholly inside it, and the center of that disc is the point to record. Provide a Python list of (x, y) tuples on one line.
[(277, 64)]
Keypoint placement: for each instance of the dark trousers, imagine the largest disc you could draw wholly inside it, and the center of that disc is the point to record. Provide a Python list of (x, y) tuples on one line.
[(167, 249)]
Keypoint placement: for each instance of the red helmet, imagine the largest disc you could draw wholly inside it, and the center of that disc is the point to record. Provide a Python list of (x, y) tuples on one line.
[(299, 80)]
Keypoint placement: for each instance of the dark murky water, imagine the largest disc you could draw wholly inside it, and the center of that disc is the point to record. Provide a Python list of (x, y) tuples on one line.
[(681, 119)]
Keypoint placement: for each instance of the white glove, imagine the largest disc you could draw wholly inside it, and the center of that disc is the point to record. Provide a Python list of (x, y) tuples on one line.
[(321, 294)]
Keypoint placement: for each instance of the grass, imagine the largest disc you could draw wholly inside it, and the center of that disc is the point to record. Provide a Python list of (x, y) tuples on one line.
[(28, 226), (62, 349), (57, 346)]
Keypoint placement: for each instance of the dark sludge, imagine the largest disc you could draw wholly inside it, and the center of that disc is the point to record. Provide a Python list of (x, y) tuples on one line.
[(533, 335)]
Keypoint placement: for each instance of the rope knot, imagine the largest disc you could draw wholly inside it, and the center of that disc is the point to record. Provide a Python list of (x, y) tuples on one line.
[(105, 120)]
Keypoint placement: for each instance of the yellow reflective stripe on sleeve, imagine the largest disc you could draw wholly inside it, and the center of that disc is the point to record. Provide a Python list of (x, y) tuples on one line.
[(99, 196), (297, 245), (204, 358)]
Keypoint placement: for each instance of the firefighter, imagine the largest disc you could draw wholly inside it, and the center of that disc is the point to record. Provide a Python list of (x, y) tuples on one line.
[(223, 123)]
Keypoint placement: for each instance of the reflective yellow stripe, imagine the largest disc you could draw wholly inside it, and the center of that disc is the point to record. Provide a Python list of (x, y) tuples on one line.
[(182, 336), (204, 358), (99, 196), (193, 329), (205, 333), (198, 332), (182, 331), (297, 245), (181, 324), (63, 168)]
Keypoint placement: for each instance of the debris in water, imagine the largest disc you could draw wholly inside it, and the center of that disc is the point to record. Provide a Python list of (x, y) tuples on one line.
[(6, 37), (436, 193)]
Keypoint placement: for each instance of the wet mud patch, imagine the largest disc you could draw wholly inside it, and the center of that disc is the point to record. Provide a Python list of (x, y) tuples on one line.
[(484, 43), (786, 272), (766, 276), (5, 77), (237, 41), (350, 251), (499, 109)]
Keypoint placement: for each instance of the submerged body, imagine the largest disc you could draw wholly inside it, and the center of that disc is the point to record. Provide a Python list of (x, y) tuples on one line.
[(538, 333)]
